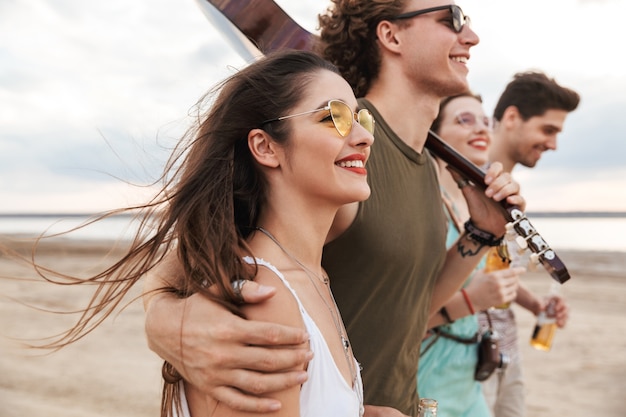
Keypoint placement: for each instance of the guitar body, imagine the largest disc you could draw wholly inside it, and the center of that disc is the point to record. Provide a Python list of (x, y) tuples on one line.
[(269, 28)]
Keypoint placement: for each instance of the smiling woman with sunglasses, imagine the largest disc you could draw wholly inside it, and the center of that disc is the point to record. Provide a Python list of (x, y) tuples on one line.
[(246, 198)]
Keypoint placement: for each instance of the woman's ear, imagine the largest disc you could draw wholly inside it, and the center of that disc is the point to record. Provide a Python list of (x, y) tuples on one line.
[(263, 148)]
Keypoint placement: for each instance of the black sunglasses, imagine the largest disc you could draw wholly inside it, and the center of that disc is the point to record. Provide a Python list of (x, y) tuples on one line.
[(459, 19)]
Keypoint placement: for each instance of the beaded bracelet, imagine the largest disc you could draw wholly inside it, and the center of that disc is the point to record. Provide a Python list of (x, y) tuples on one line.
[(480, 236)]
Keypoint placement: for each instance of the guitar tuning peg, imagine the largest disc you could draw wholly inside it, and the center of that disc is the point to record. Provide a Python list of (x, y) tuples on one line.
[(522, 243), (510, 233), (534, 258)]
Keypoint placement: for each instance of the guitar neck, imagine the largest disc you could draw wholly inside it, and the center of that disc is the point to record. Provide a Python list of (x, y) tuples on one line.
[(454, 159), (512, 213)]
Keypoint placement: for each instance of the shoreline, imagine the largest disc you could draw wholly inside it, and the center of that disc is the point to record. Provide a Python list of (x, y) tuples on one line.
[(577, 261), (112, 371), (562, 232)]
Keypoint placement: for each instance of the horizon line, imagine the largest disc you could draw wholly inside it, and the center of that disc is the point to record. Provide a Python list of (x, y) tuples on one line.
[(539, 213)]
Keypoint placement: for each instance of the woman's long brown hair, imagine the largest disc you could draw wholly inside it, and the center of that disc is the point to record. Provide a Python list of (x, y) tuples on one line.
[(211, 195)]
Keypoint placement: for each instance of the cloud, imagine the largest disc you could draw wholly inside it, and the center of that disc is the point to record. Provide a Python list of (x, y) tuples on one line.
[(95, 91), (547, 189)]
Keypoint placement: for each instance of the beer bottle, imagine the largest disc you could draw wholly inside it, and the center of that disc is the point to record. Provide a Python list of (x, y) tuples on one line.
[(544, 331), (498, 258), (427, 407)]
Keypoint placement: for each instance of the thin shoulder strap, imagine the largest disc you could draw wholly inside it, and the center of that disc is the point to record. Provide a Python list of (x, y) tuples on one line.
[(262, 262)]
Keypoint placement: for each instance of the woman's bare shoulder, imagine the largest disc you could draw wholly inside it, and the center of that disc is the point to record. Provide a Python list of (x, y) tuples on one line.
[(282, 308)]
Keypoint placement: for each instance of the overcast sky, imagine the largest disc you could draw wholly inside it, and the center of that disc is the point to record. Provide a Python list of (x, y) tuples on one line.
[(93, 92)]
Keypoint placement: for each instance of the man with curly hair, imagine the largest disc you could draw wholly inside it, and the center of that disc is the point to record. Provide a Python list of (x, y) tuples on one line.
[(386, 257)]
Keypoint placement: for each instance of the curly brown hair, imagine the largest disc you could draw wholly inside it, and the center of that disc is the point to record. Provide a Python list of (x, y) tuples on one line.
[(348, 38)]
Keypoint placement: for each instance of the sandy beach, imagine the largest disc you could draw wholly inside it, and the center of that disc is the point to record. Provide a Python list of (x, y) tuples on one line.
[(111, 372)]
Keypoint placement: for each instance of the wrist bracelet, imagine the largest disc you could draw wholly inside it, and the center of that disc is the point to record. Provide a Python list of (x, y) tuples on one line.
[(446, 316), (480, 236), (468, 301)]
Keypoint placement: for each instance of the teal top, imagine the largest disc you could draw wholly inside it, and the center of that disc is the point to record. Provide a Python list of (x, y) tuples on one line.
[(446, 369)]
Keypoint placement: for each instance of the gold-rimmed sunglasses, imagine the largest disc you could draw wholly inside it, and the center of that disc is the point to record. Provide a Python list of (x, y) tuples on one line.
[(342, 116)]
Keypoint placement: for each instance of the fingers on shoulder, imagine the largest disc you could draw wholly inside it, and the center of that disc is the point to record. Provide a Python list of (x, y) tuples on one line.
[(281, 308)]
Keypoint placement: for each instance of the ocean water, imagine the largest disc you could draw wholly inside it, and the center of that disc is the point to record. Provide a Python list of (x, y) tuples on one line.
[(583, 233), (112, 228), (594, 233)]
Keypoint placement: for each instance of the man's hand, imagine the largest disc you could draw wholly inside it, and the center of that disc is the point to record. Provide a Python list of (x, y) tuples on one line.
[(561, 309), (484, 206), (502, 186), (229, 358)]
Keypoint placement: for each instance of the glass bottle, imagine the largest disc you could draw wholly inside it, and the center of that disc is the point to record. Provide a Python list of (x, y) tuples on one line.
[(545, 329), (427, 407), (498, 258)]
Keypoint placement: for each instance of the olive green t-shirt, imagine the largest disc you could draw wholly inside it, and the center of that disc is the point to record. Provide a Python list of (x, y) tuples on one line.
[(383, 268)]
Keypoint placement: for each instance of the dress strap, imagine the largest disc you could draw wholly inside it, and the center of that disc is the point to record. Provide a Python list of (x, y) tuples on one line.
[(262, 262)]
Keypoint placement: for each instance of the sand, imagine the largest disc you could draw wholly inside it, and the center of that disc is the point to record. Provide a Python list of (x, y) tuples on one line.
[(112, 372)]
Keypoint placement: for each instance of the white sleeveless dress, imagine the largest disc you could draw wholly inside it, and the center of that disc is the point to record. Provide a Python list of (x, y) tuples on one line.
[(326, 392)]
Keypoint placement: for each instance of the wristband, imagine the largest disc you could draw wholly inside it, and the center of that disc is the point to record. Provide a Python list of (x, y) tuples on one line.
[(468, 301), (446, 316), (480, 236)]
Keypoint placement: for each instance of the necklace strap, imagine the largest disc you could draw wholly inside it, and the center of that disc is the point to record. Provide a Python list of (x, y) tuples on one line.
[(323, 279), (334, 313)]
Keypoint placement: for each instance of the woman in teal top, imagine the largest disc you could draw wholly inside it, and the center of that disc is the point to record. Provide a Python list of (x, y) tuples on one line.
[(449, 351)]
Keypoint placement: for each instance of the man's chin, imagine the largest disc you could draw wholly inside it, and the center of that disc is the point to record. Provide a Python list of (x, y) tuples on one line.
[(530, 164)]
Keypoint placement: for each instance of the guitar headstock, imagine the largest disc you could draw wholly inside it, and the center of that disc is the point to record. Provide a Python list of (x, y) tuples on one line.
[(542, 251), (540, 248)]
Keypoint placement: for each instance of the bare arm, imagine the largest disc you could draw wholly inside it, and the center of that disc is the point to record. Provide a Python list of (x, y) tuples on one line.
[(488, 215), (528, 300), (222, 354), (281, 308), (343, 219), (485, 290), (461, 259), (535, 304)]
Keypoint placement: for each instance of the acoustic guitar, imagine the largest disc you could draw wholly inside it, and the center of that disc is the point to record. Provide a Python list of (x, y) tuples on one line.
[(257, 27)]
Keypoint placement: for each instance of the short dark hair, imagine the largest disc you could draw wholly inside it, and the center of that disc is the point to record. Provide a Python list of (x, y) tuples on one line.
[(533, 93)]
